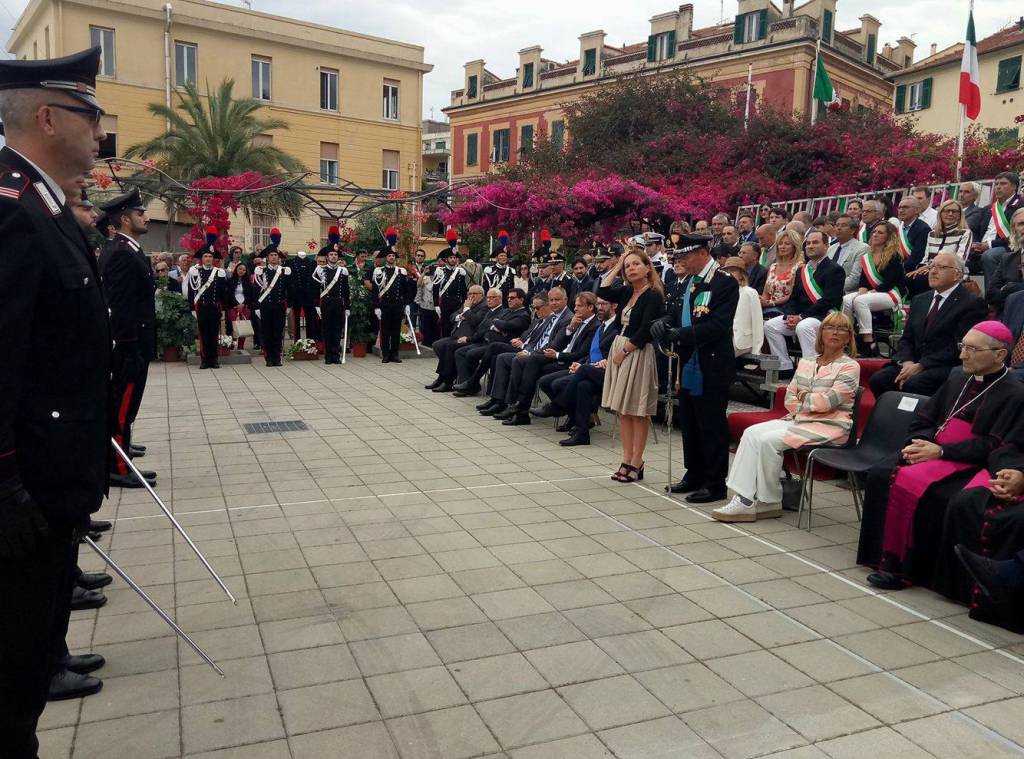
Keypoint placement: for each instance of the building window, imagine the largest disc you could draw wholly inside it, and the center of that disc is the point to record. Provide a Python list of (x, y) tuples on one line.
[(750, 27), (915, 96), (472, 149), (589, 61), (500, 149), (1009, 75), (526, 138), (391, 99), (329, 163), (471, 87), (440, 145), (661, 46), (869, 54), (105, 39), (442, 168), (328, 90), (108, 148), (826, 26), (185, 57), (527, 75), (260, 78), (389, 175), (261, 225), (558, 133)]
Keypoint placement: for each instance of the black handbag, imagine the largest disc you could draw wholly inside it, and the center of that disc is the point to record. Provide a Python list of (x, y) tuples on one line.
[(791, 489)]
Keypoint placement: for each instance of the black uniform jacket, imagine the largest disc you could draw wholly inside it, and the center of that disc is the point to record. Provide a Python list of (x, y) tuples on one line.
[(130, 287), (710, 330), (55, 343)]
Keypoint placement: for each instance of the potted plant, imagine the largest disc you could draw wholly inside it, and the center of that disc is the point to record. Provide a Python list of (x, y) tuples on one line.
[(175, 325), (303, 350), (359, 318), (225, 344)]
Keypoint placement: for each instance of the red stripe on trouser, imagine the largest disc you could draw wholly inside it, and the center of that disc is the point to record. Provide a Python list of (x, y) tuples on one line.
[(122, 420)]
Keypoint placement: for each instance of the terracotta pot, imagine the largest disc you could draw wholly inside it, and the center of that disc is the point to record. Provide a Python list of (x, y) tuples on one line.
[(406, 347), (171, 354), (359, 350), (303, 356), (222, 351)]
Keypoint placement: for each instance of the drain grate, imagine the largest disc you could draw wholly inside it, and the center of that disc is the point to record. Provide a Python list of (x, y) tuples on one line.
[(256, 428)]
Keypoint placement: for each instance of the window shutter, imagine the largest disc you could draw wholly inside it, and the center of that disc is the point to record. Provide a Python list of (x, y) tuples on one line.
[(926, 93), (671, 52), (901, 97), (826, 26), (652, 48), (737, 32), (1009, 75), (762, 24), (870, 53)]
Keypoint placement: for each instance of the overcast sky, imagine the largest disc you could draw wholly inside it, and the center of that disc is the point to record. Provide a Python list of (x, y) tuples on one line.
[(456, 31)]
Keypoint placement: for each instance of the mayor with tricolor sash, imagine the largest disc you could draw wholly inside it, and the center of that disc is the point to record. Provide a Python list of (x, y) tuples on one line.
[(882, 283)]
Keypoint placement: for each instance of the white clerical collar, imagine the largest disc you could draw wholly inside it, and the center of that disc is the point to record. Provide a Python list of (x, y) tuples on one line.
[(50, 183)]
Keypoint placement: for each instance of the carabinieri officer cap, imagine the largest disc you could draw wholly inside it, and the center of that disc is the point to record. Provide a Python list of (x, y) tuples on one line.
[(129, 201), (689, 243), (73, 74)]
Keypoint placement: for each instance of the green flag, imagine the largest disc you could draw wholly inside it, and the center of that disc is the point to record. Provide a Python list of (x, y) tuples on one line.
[(823, 89)]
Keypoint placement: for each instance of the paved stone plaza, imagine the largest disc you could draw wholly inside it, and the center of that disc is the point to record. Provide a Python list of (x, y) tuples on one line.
[(416, 581)]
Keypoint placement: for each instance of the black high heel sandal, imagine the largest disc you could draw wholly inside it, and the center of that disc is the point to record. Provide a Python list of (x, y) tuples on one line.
[(623, 468), (625, 476)]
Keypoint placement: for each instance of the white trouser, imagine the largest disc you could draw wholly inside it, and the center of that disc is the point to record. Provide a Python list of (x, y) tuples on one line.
[(861, 306), (806, 333), (757, 465)]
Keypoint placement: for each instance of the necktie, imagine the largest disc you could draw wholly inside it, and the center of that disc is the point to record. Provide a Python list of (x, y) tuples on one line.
[(1017, 357), (838, 254), (575, 337), (595, 344), (932, 312)]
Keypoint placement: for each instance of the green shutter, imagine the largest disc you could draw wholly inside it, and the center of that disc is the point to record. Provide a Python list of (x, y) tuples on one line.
[(471, 149), (526, 138), (737, 31), (870, 54), (826, 27), (901, 98), (762, 24), (471, 87), (652, 48), (558, 132), (527, 75), (589, 61), (1009, 75), (671, 44), (926, 93)]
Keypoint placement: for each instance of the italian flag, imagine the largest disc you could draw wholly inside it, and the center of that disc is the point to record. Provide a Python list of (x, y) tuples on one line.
[(823, 89), (970, 81)]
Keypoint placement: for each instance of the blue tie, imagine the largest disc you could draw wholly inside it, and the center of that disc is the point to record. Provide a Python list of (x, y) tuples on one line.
[(692, 378), (595, 345)]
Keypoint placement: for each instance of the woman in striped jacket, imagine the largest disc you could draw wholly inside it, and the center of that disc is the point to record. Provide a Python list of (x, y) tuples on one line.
[(819, 400), (882, 285)]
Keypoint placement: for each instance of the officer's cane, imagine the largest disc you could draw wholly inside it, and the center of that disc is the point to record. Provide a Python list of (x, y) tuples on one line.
[(344, 340), (153, 605), (167, 512), (670, 402), (412, 332)]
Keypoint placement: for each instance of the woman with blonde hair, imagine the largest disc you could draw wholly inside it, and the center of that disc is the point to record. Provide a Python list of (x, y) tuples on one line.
[(778, 286), (882, 285), (819, 400), (631, 382), (949, 235)]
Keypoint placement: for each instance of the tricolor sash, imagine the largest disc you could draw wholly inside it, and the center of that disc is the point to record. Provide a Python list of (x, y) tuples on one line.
[(863, 233), (811, 287), (1002, 224), (903, 240), (874, 277)]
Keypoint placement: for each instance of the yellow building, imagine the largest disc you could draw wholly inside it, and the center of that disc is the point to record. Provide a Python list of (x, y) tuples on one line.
[(352, 101), (493, 119), (929, 91)]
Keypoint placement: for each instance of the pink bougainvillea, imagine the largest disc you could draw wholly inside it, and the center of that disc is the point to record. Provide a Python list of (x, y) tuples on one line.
[(211, 202)]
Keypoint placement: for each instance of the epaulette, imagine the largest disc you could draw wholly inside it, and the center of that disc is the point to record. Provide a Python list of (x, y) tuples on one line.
[(12, 183)]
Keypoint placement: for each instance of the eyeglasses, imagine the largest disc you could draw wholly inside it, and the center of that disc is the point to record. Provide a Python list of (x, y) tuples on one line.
[(972, 349), (94, 115), (940, 266), (837, 330)]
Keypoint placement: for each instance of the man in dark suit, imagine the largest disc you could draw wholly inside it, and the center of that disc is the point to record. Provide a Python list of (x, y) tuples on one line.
[(131, 294), (564, 351), (818, 290), (581, 281), (938, 320), (527, 340), (465, 323), (976, 217), (576, 391), (500, 327), (994, 245), (913, 232), (757, 274), (54, 378), (1013, 317), (699, 326)]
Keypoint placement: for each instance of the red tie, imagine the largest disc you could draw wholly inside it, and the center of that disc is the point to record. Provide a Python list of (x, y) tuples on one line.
[(933, 311)]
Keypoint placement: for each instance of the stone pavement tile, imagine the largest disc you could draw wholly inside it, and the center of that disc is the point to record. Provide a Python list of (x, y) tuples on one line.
[(282, 581), (578, 747), (522, 553), (879, 610), (1002, 716), (882, 741), (311, 666), (350, 598), (244, 677), (271, 750), (60, 714), (943, 642), (573, 594), (823, 660), (771, 629), (497, 676), (816, 713), (710, 639), (376, 623), (487, 579), (401, 652), (665, 738), (320, 707), (951, 736), (607, 619), (665, 611), (994, 666), (548, 571), (831, 587), (952, 684), (448, 612), (149, 736), (466, 558), (601, 565), (639, 651), (742, 571), (831, 619), (726, 601), (456, 733), (567, 548), (633, 585), (415, 691), (758, 673), (501, 536), (689, 687), (139, 656), (370, 740), (391, 549), (56, 743), (530, 718), (121, 628), (337, 575), (132, 694), (455, 644), (301, 603), (429, 588), (518, 602), (573, 663), (655, 557), (784, 593), (540, 630), (886, 649), (271, 561), (742, 729), (887, 698), (302, 632), (686, 578), (340, 553), (612, 702), (237, 722), (804, 752), (407, 566)]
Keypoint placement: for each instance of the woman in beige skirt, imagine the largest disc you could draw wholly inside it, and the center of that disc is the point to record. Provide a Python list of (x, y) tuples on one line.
[(631, 381)]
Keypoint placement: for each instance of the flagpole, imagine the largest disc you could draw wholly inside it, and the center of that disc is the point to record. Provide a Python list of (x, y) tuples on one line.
[(746, 110), (814, 82), (963, 112)]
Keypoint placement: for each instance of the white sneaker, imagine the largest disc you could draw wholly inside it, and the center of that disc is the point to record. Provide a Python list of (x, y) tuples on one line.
[(735, 511), (767, 510)]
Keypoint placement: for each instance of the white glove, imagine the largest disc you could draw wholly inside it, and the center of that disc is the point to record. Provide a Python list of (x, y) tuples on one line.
[(347, 312), (376, 312), (406, 310), (318, 312), (438, 310), (257, 312)]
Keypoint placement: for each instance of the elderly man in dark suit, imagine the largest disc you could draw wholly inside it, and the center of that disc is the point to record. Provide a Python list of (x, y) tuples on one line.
[(938, 320), (466, 321), (504, 325)]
